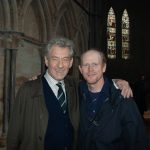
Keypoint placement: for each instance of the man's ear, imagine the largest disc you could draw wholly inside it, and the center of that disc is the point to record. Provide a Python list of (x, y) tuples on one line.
[(104, 68), (71, 62), (46, 61), (80, 69)]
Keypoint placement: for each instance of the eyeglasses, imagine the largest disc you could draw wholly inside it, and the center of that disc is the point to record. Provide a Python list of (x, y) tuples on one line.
[(92, 65)]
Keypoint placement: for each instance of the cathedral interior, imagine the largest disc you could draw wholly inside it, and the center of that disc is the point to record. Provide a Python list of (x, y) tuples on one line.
[(26, 26)]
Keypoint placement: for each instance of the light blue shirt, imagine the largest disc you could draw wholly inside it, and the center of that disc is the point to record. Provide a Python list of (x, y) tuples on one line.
[(52, 83)]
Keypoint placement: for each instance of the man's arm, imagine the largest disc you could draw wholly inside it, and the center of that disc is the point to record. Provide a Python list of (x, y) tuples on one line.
[(13, 135), (124, 86), (121, 84)]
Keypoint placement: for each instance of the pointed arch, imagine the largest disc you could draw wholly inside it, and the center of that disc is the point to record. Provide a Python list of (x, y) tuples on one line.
[(47, 15), (61, 29), (66, 12), (111, 34), (125, 35), (83, 35), (2, 23), (14, 15), (40, 13), (6, 13)]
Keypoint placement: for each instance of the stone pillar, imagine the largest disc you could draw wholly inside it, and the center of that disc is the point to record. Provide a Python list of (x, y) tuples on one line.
[(13, 53), (43, 67), (10, 40), (6, 91)]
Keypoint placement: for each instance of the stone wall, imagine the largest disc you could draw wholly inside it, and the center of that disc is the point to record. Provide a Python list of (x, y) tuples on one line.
[(25, 25)]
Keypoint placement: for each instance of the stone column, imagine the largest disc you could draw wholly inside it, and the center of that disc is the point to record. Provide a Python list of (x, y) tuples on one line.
[(11, 43), (6, 91), (12, 76)]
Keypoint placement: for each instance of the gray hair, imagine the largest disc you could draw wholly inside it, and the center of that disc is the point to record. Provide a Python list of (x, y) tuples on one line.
[(61, 42)]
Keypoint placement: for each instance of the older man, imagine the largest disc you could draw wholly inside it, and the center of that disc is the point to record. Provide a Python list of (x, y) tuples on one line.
[(45, 114)]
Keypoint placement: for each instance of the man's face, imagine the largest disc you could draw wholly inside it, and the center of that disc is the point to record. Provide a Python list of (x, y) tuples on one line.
[(59, 62), (92, 67)]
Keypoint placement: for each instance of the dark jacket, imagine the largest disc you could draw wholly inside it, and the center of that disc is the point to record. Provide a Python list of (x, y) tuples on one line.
[(117, 125), (29, 117)]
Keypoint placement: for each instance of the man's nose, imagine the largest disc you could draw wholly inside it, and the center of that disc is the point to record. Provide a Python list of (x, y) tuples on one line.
[(90, 67), (60, 63)]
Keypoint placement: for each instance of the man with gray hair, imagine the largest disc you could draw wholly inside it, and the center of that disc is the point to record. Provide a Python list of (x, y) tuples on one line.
[(45, 114), (39, 121)]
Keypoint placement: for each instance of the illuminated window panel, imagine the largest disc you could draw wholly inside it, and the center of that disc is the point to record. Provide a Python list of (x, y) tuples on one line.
[(125, 35), (111, 34)]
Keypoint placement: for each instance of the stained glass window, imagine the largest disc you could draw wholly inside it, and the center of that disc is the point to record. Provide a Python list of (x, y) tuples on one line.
[(111, 34), (125, 35)]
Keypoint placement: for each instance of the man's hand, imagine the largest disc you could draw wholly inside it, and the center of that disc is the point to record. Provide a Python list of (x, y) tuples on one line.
[(34, 77), (124, 86)]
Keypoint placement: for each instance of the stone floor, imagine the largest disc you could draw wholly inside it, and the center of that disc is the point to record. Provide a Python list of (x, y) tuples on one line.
[(146, 121)]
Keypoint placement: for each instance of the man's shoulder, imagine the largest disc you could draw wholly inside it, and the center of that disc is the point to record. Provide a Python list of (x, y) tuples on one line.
[(33, 82), (31, 85)]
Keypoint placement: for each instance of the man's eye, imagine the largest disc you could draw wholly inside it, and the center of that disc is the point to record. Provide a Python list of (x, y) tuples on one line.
[(66, 59), (94, 64), (54, 58), (85, 65)]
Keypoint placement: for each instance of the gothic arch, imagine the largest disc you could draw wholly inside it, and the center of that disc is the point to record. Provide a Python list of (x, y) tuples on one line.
[(62, 28), (14, 15), (42, 12), (6, 13), (66, 11), (47, 17), (1, 16), (25, 6), (83, 26), (52, 6)]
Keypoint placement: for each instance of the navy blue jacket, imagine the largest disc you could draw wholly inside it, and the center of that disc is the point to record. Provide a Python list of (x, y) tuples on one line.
[(117, 125)]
